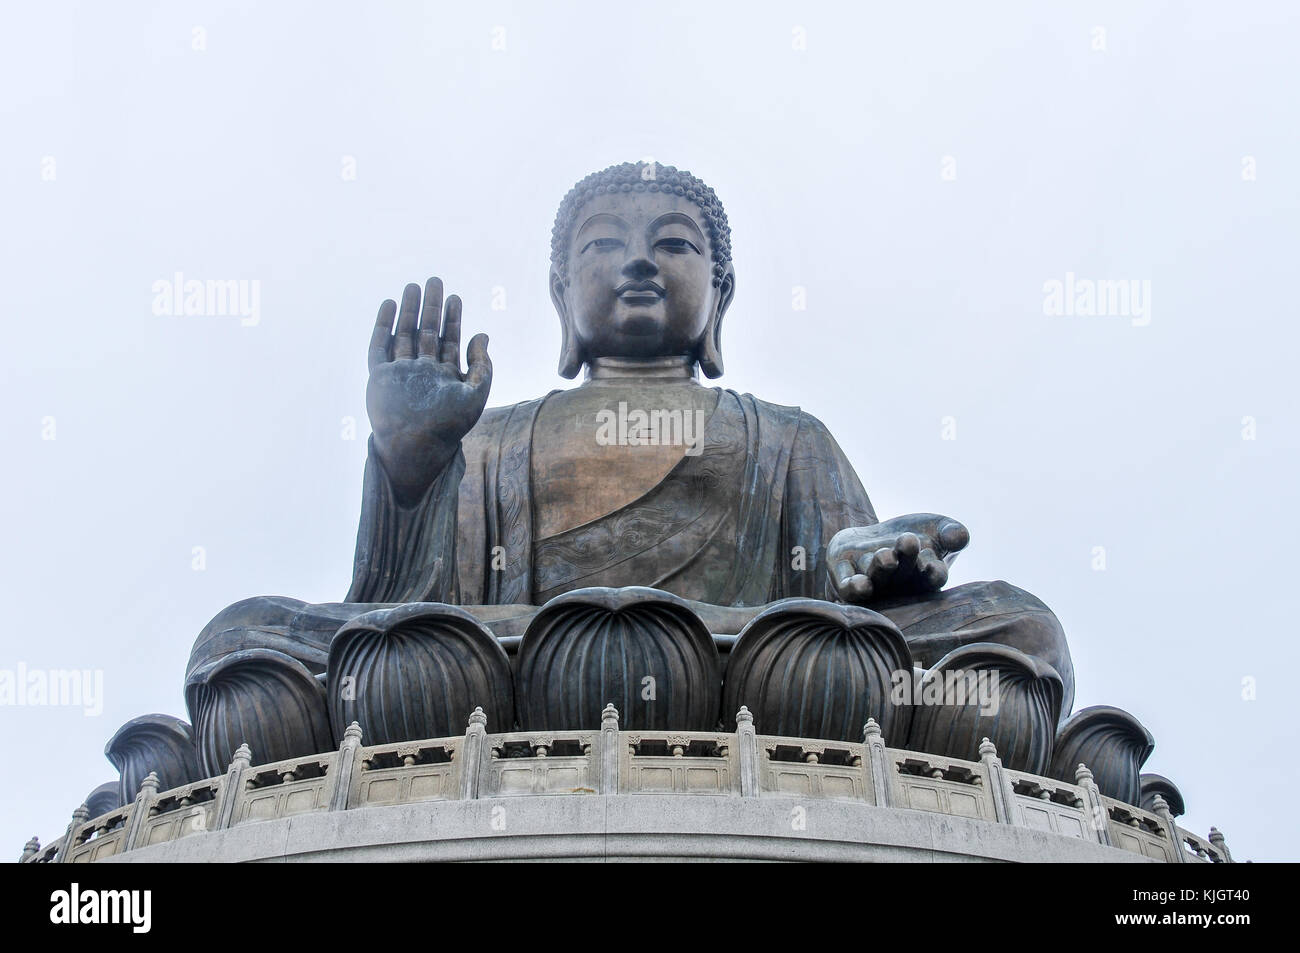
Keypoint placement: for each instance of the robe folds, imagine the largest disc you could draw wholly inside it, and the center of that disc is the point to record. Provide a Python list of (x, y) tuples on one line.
[(744, 522)]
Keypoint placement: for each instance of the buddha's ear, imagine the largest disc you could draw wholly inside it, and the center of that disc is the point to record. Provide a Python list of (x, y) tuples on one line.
[(570, 353), (711, 342)]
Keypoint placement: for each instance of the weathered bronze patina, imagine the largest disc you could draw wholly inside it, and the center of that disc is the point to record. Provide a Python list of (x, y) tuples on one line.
[(640, 476)]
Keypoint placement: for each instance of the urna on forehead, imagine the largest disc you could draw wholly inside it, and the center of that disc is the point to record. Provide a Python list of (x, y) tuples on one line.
[(650, 178)]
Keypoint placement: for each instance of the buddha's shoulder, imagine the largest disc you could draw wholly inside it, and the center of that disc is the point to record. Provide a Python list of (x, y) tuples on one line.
[(494, 421), (808, 426)]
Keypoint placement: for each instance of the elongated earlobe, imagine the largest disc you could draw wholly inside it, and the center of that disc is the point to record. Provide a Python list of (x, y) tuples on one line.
[(711, 341), (570, 354), (571, 359)]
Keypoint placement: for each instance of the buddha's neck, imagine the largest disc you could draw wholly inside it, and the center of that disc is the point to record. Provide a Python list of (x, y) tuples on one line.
[(671, 368)]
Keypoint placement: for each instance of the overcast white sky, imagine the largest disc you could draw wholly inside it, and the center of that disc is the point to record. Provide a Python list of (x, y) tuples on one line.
[(129, 155)]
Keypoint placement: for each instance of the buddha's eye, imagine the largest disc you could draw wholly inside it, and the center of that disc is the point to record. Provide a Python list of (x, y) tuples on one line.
[(677, 246), (603, 244)]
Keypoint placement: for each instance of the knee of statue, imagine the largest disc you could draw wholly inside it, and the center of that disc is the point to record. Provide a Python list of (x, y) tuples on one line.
[(994, 663), (1034, 629), (296, 628), (992, 611)]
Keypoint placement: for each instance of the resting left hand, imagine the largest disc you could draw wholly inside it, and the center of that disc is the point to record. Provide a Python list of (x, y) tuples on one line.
[(908, 555)]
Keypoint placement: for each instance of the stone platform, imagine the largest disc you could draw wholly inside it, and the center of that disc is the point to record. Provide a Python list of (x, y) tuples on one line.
[(608, 794)]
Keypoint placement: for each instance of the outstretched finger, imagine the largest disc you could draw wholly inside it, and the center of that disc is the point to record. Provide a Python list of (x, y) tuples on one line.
[(427, 341), (404, 346), (858, 589), (907, 547), (449, 347), (932, 569), (480, 365), (880, 567), (381, 341), (844, 571)]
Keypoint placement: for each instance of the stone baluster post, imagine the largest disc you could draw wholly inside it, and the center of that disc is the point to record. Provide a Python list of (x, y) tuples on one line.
[(1098, 816), (1005, 808), (145, 799), (1216, 838), (747, 753), (79, 818), (609, 750), (473, 753), (30, 850), (345, 768), (1160, 808), (877, 762), (232, 788)]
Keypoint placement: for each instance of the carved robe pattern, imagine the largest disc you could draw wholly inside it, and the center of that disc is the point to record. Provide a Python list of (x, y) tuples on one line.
[(743, 522)]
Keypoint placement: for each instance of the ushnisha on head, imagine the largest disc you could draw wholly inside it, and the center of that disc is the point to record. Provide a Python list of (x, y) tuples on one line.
[(641, 268)]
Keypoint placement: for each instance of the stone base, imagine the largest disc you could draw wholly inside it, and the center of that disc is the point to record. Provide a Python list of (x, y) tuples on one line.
[(629, 827)]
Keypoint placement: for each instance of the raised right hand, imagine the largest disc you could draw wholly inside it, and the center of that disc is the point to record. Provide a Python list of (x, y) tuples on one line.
[(420, 403)]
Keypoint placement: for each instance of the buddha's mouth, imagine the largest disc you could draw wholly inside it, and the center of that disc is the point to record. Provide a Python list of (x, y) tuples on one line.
[(640, 292)]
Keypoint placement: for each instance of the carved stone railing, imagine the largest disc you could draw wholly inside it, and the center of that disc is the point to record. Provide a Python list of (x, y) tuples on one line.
[(1142, 832), (406, 772), (818, 769), (540, 762), (180, 812), (284, 788), (102, 837), (678, 762), (1046, 804), (925, 782), (608, 761), (1197, 850)]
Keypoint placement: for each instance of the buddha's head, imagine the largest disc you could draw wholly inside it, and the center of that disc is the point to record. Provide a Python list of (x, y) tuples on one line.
[(641, 267)]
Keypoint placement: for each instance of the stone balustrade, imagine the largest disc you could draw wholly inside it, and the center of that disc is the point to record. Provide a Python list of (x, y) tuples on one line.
[(399, 773), (610, 761)]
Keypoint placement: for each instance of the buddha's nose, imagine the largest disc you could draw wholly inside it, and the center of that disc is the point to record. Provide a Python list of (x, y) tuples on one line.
[(640, 264)]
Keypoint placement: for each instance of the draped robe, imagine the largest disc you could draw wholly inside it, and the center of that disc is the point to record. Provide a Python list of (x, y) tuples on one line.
[(743, 522)]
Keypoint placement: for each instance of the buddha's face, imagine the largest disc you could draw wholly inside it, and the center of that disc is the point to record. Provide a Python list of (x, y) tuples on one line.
[(640, 270)]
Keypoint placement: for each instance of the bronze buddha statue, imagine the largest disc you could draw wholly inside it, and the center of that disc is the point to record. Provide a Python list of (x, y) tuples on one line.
[(726, 502)]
